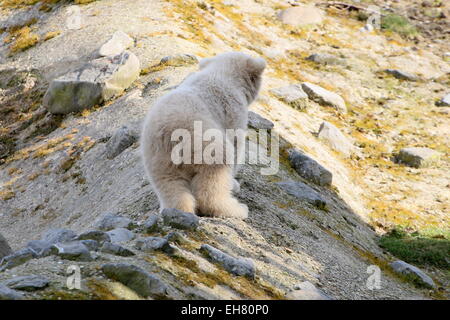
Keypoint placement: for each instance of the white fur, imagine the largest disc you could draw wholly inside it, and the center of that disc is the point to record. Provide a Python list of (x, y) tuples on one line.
[(218, 95)]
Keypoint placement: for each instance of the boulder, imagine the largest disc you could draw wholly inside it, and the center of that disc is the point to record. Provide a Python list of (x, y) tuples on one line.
[(95, 82), (326, 59), (118, 43), (27, 283), (75, 251), (154, 244), (309, 169), (303, 192), (16, 259), (414, 273), (258, 122), (121, 140), (179, 219), (5, 249), (292, 95), (119, 235), (53, 236), (403, 75), (137, 279), (111, 221), (335, 139), (115, 249), (418, 157), (9, 294), (324, 97), (97, 235), (151, 224)]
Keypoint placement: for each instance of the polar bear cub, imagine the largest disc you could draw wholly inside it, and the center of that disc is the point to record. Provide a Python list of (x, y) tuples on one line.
[(216, 97)]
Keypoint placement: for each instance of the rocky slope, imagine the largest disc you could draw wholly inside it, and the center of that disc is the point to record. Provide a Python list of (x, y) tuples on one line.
[(69, 170)]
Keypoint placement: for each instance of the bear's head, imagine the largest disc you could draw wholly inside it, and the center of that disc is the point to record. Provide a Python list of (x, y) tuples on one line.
[(240, 68)]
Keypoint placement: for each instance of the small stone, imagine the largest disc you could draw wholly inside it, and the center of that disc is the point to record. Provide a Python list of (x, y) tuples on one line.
[(116, 249), (74, 250), (445, 101), (53, 236), (301, 16), (326, 59), (307, 291), (236, 266), (402, 75), (324, 97), (303, 192), (257, 122), (17, 258), (335, 139), (5, 249), (120, 235), (27, 283), (42, 248), (418, 157), (414, 273), (121, 140), (309, 169), (9, 294), (111, 221), (118, 43), (179, 219), (97, 81), (151, 224), (154, 244), (137, 279), (97, 235), (293, 95), (179, 60)]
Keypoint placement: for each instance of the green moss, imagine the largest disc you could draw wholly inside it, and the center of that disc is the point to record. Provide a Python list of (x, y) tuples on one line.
[(426, 248), (398, 24)]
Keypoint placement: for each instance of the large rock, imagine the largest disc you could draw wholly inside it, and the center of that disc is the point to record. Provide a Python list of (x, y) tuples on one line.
[(16, 259), (151, 224), (121, 140), (9, 294), (118, 43), (236, 266), (301, 16), (293, 95), (111, 221), (90, 85), (115, 249), (335, 139), (307, 291), (97, 235), (414, 273), (41, 248), (27, 283), (303, 192), (418, 157), (74, 250), (179, 219), (257, 122), (324, 97), (119, 235), (137, 279), (5, 249), (309, 169)]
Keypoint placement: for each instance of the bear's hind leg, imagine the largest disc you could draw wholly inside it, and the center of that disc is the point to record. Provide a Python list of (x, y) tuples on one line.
[(175, 193), (212, 187)]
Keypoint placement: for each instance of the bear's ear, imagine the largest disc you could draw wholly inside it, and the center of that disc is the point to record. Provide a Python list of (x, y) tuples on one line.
[(204, 62), (256, 66)]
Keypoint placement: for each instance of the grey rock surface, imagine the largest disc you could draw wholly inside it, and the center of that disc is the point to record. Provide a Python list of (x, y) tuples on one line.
[(74, 250), (119, 235), (179, 219), (97, 235), (111, 221), (53, 236), (309, 169), (115, 249), (97, 81), (258, 122), (27, 283), (9, 294), (5, 249), (326, 59), (414, 273), (17, 258), (137, 279), (42, 248), (403, 75), (149, 244), (236, 266), (303, 192), (121, 140), (324, 97), (118, 43), (151, 224)]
